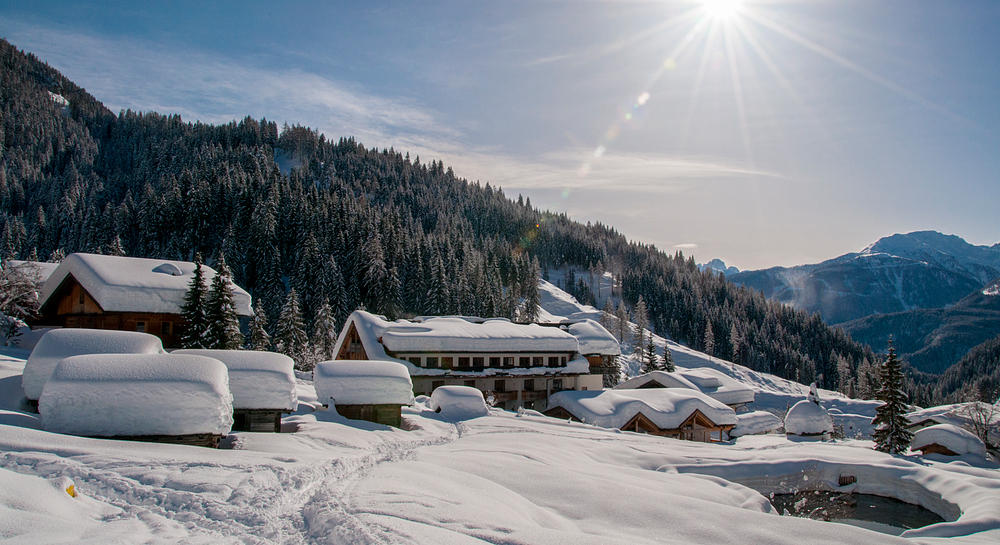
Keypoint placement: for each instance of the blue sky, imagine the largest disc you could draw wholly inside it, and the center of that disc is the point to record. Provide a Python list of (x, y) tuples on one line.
[(790, 132)]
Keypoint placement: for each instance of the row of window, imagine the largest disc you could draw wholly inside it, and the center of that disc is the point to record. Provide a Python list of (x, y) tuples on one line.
[(165, 327), (450, 362), (500, 385)]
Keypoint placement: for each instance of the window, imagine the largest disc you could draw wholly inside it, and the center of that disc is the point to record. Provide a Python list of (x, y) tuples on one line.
[(564, 361), (470, 383), (165, 328), (478, 362), (554, 361), (140, 327), (447, 362), (432, 362), (557, 385), (529, 385), (494, 362), (508, 361), (537, 361), (81, 295), (436, 384), (524, 362), (464, 362), (500, 385)]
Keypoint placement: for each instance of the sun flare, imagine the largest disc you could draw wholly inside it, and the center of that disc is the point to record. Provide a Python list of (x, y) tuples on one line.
[(722, 9)]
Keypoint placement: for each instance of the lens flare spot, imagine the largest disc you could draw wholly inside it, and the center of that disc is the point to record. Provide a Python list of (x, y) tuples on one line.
[(584, 170), (643, 99), (612, 133), (669, 64), (628, 116), (599, 151), (565, 193)]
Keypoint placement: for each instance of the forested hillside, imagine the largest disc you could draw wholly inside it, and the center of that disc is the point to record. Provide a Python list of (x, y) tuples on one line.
[(352, 225)]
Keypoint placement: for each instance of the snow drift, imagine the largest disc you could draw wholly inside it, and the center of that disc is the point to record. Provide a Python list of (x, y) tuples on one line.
[(258, 380)]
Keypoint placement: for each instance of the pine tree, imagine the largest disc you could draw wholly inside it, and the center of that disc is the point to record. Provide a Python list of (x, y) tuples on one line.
[(709, 343), (223, 322), (324, 332), (668, 360), (890, 421), (194, 309), (641, 317), (257, 338), (652, 361), (291, 339), (531, 294), (608, 315), (621, 321)]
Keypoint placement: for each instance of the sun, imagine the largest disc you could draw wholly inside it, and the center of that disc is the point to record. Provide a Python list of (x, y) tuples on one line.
[(722, 9)]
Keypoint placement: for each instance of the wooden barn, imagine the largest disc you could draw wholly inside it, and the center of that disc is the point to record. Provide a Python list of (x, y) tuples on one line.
[(122, 293)]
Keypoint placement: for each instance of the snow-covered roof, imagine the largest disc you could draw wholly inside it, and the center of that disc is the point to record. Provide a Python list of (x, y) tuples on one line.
[(363, 382), (109, 395), (258, 380), (460, 334), (594, 339), (668, 408), (44, 269), (456, 403), (132, 284), (808, 418), (708, 381), (754, 423), (58, 344), (953, 438)]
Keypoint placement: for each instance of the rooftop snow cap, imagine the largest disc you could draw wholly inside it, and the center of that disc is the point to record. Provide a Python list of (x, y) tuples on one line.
[(668, 408), (58, 344), (953, 438), (456, 403), (594, 339), (808, 418), (257, 379), (710, 382), (108, 395), (132, 284), (363, 382)]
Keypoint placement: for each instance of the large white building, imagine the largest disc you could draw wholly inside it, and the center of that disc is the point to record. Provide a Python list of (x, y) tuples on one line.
[(519, 365)]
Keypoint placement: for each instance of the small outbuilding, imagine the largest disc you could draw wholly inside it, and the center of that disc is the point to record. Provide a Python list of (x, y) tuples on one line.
[(668, 412), (375, 391), (262, 383), (808, 418), (144, 397), (948, 440), (714, 384), (456, 403), (755, 423), (58, 344)]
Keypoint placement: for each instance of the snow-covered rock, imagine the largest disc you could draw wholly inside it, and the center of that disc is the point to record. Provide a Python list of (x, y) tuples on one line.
[(808, 418), (456, 403), (63, 343), (668, 408), (708, 381), (257, 379), (754, 423), (107, 395), (953, 438), (363, 382)]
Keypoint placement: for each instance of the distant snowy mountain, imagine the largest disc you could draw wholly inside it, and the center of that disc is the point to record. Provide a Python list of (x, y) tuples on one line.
[(719, 265), (923, 269)]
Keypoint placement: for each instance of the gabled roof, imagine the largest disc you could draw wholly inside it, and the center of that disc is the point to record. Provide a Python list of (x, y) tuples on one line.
[(44, 269), (710, 382), (132, 284), (667, 408)]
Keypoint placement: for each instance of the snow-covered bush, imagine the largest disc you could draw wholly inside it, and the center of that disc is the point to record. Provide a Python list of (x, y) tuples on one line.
[(456, 403), (257, 379)]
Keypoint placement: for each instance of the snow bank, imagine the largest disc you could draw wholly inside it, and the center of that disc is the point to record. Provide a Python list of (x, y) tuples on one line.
[(132, 284), (707, 381), (63, 343), (668, 408), (754, 423), (105, 395), (363, 382), (258, 380), (456, 403), (808, 418), (594, 339), (950, 437)]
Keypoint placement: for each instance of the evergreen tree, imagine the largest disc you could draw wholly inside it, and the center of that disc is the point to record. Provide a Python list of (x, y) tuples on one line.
[(257, 337), (621, 321), (668, 360), (193, 310), (641, 317), (324, 332), (291, 338), (223, 322), (531, 294), (709, 343), (890, 423), (608, 315)]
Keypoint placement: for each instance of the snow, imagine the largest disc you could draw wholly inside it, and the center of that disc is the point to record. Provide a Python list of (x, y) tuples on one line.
[(710, 382), (43, 269), (755, 423), (668, 408), (57, 344), (951, 437), (106, 395), (455, 403), (132, 284), (808, 418), (594, 339), (257, 379), (363, 382)]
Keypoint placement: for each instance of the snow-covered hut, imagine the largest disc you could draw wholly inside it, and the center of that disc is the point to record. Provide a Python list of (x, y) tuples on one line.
[(58, 344), (262, 383), (669, 412), (948, 440), (365, 390), (518, 364), (124, 293), (146, 397), (754, 423), (717, 385), (456, 403), (808, 418), (598, 345)]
